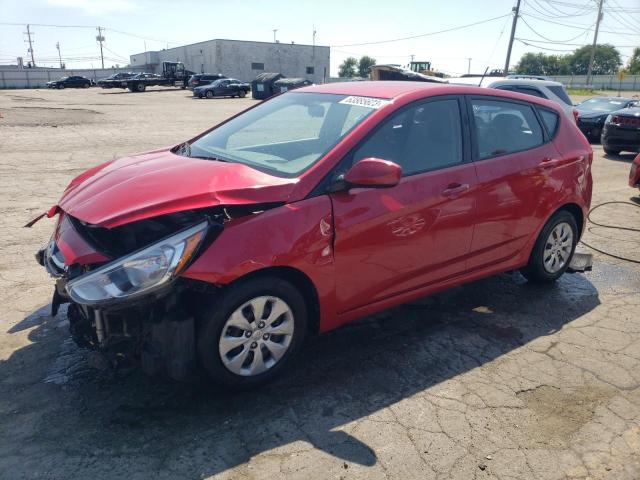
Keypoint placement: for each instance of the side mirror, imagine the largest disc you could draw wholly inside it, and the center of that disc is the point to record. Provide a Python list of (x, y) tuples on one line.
[(373, 173)]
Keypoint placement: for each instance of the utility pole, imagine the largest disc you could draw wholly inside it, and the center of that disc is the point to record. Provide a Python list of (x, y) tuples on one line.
[(516, 14), (469, 67), (595, 41), (313, 51), (274, 34), (28, 32), (100, 39), (59, 55)]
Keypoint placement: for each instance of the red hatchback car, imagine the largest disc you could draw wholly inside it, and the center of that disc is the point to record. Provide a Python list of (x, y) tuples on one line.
[(308, 211)]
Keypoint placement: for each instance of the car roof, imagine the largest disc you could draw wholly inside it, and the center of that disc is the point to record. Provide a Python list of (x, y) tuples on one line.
[(523, 81), (391, 90), (378, 89)]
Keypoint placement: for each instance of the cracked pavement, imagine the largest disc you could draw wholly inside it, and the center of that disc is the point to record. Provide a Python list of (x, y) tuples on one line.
[(497, 379)]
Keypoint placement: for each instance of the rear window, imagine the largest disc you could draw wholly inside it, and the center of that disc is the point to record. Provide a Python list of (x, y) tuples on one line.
[(550, 120), (560, 92), (503, 127)]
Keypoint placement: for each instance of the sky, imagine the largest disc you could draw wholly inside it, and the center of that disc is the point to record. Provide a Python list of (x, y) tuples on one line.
[(133, 26)]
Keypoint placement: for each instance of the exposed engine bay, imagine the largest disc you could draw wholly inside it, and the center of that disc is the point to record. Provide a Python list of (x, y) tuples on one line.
[(155, 328)]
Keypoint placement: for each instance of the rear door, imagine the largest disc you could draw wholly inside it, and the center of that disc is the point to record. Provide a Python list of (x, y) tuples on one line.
[(511, 153), (391, 241)]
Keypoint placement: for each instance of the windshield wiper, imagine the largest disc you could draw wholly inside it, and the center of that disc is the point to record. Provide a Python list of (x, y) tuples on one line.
[(184, 149)]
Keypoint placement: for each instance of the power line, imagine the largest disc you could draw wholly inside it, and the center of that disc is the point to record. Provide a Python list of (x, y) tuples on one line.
[(579, 27), (556, 41), (543, 48), (570, 44), (422, 34)]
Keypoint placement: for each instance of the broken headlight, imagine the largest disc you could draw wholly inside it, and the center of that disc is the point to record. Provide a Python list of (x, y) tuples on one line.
[(140, 272)]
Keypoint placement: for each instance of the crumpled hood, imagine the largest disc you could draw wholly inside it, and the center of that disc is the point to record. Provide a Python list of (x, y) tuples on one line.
[(161, 182)]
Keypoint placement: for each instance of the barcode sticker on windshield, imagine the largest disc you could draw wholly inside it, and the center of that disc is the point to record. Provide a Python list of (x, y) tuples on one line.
[(368, 102)]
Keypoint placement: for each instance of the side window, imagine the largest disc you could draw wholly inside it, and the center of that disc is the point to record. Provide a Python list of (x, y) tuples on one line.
[(530, 91), (504, 127), (424, 137), (550, 120)]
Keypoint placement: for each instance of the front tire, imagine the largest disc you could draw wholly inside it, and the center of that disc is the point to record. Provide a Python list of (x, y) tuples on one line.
[(209, 94), (253, 332), (141, 87), (609, 151), (242, 94), (553, 250)]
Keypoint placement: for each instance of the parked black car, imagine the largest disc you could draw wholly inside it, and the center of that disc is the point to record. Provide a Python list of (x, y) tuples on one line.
[(622, 131), (70, 82), (201, 79), (225, 87), (592, 113), (115, 80)]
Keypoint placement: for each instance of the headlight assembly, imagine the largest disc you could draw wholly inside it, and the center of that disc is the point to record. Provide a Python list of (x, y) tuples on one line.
[(140, 272)]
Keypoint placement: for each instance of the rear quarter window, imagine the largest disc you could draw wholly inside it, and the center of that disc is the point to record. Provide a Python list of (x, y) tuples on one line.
[(550, 120), (559, 91)]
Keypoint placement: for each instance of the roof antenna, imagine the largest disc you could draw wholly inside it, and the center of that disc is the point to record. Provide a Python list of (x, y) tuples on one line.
[(483, 75)]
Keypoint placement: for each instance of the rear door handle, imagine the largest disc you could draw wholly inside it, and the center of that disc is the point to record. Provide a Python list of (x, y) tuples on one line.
[(549, 162), (455, 189)]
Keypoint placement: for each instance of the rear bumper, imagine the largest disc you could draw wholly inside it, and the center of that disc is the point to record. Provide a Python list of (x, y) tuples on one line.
[(620, 138)]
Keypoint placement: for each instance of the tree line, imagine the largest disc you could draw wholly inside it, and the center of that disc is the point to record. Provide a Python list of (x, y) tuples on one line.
[(607, 61), (352, 67)]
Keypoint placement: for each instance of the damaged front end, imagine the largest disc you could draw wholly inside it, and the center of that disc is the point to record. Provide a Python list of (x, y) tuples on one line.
[(127, 300)]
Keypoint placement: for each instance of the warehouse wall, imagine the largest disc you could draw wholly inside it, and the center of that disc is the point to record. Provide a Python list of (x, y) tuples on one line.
[(38, 77), (234, 58)]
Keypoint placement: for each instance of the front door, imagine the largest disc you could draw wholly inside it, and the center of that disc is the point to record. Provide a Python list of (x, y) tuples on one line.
[(394, 240)]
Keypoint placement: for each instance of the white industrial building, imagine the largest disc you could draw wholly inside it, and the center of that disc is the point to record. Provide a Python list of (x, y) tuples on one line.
[(243, 60)]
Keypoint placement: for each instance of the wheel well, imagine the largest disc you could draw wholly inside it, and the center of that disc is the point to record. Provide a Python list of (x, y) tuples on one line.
[(299, 280), (576, 211)]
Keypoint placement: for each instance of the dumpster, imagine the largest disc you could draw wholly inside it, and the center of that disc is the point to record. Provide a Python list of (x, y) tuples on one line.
[(262, 85), (286, 84)]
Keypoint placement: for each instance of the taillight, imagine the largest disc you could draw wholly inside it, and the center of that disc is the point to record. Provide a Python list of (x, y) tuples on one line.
[(615, 119), (576, 114)]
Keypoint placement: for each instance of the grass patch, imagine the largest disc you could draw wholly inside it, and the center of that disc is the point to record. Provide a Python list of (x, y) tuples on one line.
[(583, 91)]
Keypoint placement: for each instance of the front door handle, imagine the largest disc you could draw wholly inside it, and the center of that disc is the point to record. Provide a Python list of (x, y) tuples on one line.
[(455, 190)]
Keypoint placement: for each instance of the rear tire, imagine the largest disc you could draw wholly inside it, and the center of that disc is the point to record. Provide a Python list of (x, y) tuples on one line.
[(609, 151), (61, 86), (553, 250), (242, 94), (140, 87), (243, 357)]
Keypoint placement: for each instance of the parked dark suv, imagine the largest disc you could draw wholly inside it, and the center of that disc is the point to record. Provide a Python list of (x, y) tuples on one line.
[(70, 82), (201, 79)]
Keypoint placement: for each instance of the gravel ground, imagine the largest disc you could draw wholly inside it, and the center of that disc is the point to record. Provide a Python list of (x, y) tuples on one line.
[(494, 380)]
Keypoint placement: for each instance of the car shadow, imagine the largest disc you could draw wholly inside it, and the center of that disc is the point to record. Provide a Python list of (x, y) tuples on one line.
[(340, 379), (148, 90)]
